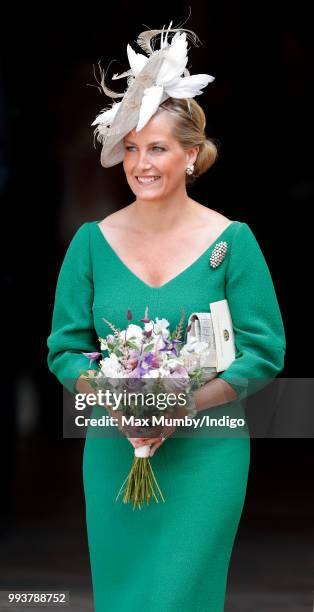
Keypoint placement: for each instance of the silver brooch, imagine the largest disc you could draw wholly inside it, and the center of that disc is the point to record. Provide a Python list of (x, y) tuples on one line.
[(218, 254)]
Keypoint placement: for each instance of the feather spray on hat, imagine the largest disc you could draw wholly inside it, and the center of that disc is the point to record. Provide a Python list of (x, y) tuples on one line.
[(151, 80)]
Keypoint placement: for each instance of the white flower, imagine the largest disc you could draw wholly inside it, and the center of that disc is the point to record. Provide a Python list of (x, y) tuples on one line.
[(188, 346), (197, 354), (164, 372), (173, 363), (194, 346), (160, 327), (110, 367), (200, 347), (164, 359), (208, 359), (148, 326), (105, 341), (191, 361), (152, 374), (132, 330)]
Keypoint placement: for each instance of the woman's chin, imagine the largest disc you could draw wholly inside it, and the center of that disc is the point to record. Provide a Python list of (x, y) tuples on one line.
[(149, 194), (148, 191)]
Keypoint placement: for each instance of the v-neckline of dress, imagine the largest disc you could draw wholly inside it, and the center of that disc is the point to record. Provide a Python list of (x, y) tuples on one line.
[(174, 278)]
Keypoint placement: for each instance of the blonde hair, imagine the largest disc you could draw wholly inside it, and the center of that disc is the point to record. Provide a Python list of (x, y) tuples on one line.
[(189, 130)]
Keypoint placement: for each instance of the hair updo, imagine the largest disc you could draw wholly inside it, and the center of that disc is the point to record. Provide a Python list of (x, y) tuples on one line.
[(189, 130)]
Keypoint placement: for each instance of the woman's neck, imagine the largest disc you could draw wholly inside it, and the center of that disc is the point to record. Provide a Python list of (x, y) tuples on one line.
[(162, 216)]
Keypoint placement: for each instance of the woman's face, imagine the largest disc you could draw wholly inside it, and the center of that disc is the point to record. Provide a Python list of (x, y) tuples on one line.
[(155, 156)]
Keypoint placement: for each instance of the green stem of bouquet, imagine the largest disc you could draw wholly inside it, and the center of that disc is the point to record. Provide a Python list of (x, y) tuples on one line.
[(140, 484)]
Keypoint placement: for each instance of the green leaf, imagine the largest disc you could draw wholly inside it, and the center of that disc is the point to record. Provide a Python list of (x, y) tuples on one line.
[(149, 347), (131, 344), (84, 373)]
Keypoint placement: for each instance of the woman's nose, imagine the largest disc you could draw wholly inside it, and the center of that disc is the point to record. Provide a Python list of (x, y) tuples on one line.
[(143, 160)]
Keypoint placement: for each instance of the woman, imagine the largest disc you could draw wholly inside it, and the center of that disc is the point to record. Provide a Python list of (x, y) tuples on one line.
[(156, 252)]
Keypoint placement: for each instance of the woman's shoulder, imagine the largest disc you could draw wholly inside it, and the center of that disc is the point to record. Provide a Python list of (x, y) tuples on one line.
[(214, 220), (208, 222), (118, 218), (208, 214), (240, 233)]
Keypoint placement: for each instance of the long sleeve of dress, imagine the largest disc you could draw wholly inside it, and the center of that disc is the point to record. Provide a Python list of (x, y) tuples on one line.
[(258, 327), (73, 329)]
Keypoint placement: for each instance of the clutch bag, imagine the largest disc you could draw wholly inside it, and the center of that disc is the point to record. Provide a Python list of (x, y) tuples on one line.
[(215, 328)]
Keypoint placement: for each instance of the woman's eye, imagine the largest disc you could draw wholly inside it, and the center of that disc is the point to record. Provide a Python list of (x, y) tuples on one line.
[(129, 148)]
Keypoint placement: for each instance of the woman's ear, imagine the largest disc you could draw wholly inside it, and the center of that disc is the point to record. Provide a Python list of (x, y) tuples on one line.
[(192, 155)]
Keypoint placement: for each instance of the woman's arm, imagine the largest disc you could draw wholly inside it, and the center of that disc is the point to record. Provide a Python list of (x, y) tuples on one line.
[(258, 329), (72, 330), (214, 393), (257, 323)]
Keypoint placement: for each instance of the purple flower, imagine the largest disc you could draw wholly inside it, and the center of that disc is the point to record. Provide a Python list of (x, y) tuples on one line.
[(149, 358), (177, 380), (92, 357), (138, 372), (132, 383), (146, 318), (169, 348)]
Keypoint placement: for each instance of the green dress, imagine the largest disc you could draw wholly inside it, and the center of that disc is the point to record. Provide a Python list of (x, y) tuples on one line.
[(175, 555)]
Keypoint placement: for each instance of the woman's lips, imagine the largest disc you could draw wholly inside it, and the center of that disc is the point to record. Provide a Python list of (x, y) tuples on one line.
[(148, 181)]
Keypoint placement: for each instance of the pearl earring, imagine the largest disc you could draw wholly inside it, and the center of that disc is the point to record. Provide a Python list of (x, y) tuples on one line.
[(190, 169)]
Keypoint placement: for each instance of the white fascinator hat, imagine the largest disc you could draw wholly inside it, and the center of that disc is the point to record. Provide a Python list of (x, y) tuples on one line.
[(151, 79)]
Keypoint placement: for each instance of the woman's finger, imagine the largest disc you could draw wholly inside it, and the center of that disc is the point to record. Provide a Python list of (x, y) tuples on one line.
[(144, 441), (155, 446), (136, 442)]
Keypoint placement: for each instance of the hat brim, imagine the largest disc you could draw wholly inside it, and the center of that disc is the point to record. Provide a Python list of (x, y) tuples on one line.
[(127, 116)]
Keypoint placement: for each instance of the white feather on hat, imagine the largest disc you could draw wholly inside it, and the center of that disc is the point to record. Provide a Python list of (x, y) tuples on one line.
[(151, 80)]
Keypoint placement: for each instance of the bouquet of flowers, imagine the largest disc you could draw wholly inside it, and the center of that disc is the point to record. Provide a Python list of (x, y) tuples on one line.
[(150, 359)]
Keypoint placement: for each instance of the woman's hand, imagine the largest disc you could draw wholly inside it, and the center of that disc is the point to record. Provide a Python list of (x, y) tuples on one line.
[(155, 442), (165, 432), (117, 414), (83, 386)]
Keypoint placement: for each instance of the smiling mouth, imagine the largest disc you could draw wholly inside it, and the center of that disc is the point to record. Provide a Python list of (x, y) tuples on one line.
[(143, 180)]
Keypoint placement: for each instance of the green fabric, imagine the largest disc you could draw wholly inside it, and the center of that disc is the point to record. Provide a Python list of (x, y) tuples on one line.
[(175, 555)]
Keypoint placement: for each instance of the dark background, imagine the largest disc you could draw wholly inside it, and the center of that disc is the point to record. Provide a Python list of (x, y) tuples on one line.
[(51, 181)]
